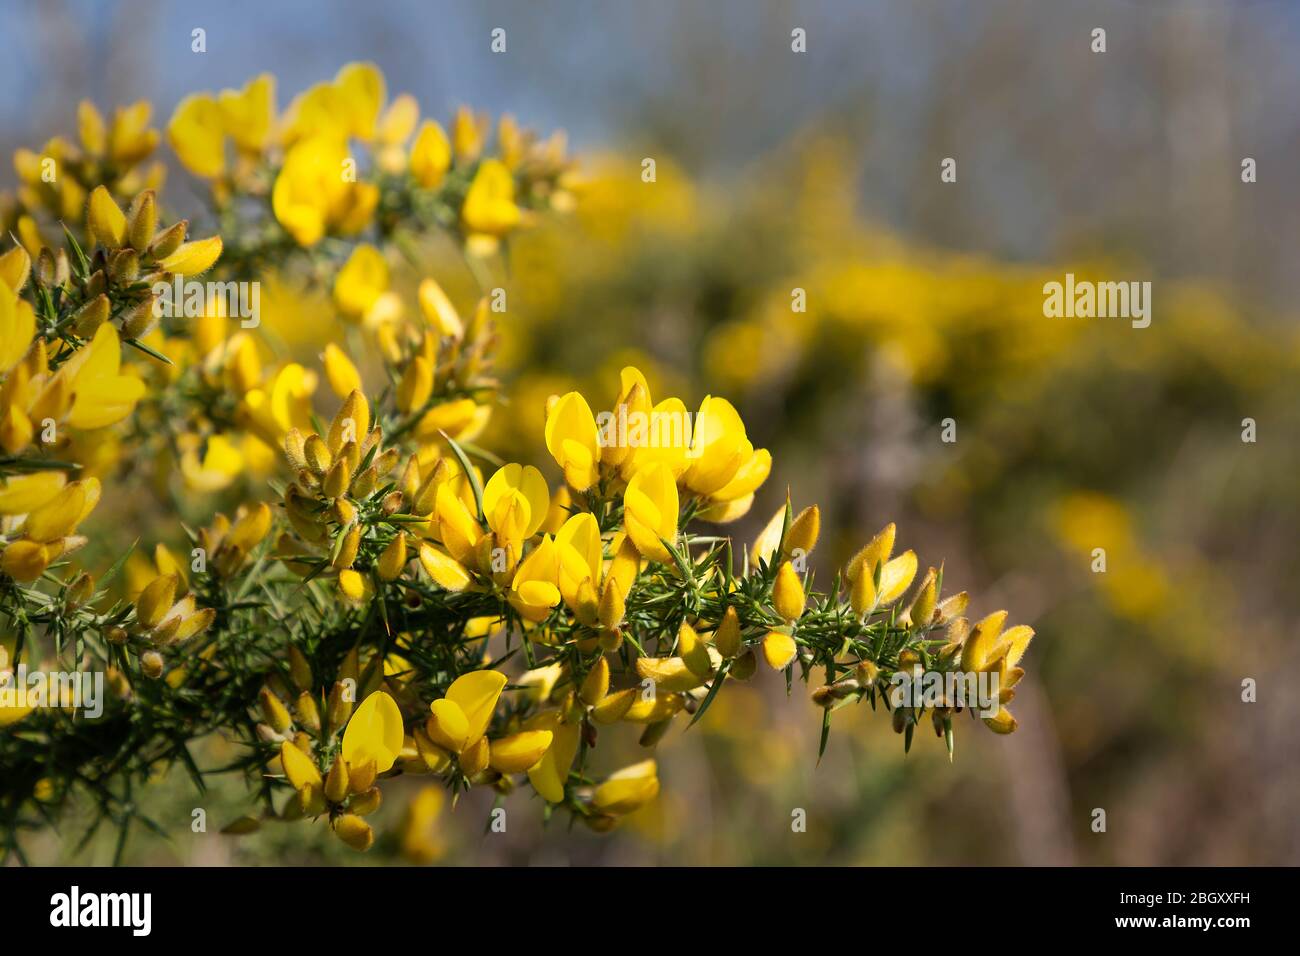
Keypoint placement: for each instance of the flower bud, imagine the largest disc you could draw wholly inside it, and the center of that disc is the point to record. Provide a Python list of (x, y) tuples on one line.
[(142, 220), (124, 266), (804, 531), (596, 684), (727, 637), (393, 559), (337, 783), (361, 777), (306, 713), (354, 831), (364, 804), (299, 668), (612, 606), (151, 664), (339, 708), (347, 553), (474, 759), (169, 240), (779, 650), (140, 319), (744, 666), (788, 597), (90, 316), (274, 712)]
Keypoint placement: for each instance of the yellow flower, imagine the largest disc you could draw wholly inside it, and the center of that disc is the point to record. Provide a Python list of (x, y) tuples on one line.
[(573, 441), (363, 89), (534, 591), (196, 132), (718, 447), (490, 208), (374, 733), (416, 385), (518, 752), (896, 577), (438, 310), (101, 396), (15, 268), (549, 776), (627, 790), (60, 516), (25, 493), (248, 115), (430, 155), (467, 130), (460, 530), (361, 283), (316, 192), (17, 327), (354, 831), (515, 502), (272, 409), (580, 559), (25, 560), (341, 374), (220, 464), (461, 718), (129, 138), (670, 674), (650, 508), (419, 843)]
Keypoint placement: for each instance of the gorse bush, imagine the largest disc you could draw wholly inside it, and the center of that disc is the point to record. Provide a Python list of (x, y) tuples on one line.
[(383, 596)]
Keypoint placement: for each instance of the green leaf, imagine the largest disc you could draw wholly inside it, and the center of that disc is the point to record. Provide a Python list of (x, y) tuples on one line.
[(713, 692), (83, 264), (137, 344), (474, 483)]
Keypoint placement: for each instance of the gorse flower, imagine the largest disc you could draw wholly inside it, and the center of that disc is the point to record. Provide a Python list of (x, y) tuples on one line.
[(380, 596)]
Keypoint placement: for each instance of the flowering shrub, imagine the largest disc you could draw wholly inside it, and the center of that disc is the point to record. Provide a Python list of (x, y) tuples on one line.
[(383, 597)]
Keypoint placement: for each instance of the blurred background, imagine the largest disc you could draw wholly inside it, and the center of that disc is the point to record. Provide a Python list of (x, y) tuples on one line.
[(819, 171)]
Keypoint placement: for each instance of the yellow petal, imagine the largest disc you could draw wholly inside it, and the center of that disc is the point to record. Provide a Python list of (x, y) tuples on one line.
[(298, 767), (445, 570), (375, 733), (627, 790), (549, 776), (876, 552), (341, 374), (193, 258), (896, 577), (24, 493), (519, 752), (430, 155), (476, 693), (104, 220), (447, 726), (668, 673), (787, 593), (490, 202), (779, 650)]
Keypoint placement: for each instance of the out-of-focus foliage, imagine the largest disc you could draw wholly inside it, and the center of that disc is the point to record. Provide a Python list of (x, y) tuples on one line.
[(1072, 434)]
